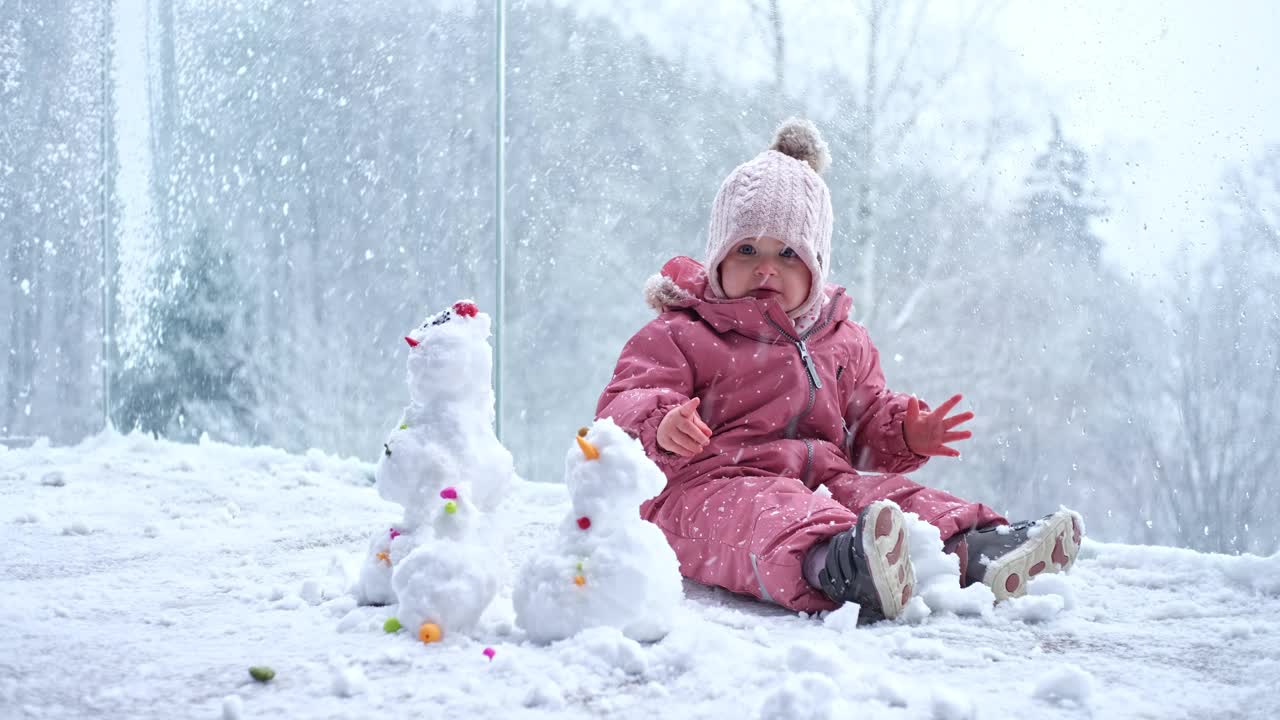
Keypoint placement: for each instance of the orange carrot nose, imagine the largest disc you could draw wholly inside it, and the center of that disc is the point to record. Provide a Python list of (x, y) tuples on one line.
[(411, 341), (588, 449)]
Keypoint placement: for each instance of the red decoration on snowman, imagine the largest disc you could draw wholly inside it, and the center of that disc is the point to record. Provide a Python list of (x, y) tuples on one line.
[(584, 522), (465, 308)]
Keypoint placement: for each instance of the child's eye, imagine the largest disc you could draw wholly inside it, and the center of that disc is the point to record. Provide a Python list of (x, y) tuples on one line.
[(745, 249), (787, 252)]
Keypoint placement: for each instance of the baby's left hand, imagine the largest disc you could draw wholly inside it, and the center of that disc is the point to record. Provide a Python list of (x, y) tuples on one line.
[(927, 433)]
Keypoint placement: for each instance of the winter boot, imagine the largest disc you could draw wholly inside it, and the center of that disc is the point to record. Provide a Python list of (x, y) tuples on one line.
[(869, 564), (1006, 557)]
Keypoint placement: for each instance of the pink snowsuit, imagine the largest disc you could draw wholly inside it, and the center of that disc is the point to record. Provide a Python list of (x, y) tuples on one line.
[(788, 414)]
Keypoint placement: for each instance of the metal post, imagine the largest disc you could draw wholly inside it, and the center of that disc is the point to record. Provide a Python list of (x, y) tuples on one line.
[(104, 208), (500, 209)]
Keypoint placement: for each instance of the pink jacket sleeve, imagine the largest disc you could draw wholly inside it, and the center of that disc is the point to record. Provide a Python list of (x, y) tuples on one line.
[(875, 441), (652, 377)]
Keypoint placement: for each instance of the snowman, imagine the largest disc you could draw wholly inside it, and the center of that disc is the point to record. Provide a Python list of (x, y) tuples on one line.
[(444, 465), (605, 566)]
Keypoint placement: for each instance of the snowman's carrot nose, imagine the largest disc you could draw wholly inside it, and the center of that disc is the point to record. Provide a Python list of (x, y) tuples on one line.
[(411, 341), (588, 449)]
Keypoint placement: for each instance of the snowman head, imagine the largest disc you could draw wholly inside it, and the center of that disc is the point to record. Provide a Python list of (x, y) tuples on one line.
[(449, 355), (608, 473)]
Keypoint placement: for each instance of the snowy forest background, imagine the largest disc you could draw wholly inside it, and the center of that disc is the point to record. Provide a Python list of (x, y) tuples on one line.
[(268, 194)]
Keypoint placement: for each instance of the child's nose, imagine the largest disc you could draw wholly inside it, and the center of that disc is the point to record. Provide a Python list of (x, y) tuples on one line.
[(766, 268)]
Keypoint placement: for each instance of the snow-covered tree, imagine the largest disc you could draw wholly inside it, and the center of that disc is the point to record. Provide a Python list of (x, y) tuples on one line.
[(1060, 204), (196, 379)]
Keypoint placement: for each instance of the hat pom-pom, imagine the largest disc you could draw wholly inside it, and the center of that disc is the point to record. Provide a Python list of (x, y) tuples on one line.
[(800, 139)]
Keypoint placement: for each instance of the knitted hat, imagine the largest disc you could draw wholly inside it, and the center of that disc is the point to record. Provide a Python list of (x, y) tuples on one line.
[(778, 194)]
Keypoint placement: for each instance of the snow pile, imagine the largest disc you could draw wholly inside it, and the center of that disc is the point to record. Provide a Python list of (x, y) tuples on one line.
[(938, 578), (606, 566), (1067, 685), (445, 467), (803, 695)]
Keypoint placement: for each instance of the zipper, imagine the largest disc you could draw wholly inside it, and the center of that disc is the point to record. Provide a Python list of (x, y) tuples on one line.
[(808, 463), (808, 364), (815, 383)]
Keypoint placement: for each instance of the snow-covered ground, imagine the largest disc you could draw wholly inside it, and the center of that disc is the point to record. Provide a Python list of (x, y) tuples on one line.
[(142, 579)]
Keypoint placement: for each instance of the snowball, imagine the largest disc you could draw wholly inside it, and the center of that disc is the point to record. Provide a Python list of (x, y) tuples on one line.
[(615, 484), (232, 707), (1055, 584), (53, 478), (977, 599), (348, 681), (1032, 608), (843, 618), (1065, 685), (77, 527), (803, 695), (938, 575), (950, 706), (447, 583), (544, 695), (630, 579), (916, 611), (814, 658), (606, 649)]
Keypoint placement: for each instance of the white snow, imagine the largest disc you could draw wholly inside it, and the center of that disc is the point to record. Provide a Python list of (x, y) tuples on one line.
[(122, 623)]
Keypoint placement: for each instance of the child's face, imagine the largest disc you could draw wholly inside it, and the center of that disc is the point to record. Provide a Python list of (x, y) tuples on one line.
[(765, 268)]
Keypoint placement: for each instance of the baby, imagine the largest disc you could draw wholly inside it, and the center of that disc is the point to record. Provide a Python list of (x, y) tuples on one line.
[(753, 387)]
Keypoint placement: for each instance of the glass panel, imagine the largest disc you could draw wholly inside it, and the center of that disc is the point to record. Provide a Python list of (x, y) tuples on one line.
[(1009, 226), (321, 178), (51, 220)]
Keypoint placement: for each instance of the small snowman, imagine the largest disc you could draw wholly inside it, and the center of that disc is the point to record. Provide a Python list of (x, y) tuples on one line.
[(606, 566), (444, 465)]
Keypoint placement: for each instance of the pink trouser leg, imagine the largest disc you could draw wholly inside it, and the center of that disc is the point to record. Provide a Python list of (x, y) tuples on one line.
[(945, 511), (749, 535)]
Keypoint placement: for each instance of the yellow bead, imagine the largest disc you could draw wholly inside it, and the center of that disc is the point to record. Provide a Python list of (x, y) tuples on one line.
[(451, 507)]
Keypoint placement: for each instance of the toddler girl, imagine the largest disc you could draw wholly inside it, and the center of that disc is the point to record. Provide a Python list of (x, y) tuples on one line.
[(753, 387)]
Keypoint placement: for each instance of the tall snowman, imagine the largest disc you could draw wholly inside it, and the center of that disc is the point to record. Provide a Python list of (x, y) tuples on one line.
[(605, 566), (444, 465)]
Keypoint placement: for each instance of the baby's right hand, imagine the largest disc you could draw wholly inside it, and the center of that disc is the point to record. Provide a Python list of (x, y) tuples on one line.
[(682, 432)]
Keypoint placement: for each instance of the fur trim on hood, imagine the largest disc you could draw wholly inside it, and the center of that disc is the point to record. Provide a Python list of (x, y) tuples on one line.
[(680, 284)]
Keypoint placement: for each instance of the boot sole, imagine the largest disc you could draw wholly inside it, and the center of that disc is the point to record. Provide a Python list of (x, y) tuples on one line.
[(884, 541), (1052, 550)]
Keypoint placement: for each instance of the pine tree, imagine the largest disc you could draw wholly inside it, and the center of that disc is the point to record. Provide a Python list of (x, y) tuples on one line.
[(1060, 203), (195, 379)]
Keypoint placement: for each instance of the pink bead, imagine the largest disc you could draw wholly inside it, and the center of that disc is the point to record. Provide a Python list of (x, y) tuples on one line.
[(488, 652), (394, 533), (449, 493)]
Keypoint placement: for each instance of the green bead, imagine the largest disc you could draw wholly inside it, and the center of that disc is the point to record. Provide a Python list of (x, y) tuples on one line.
[(451, 507), (391, 625), (261, 673), (404, 426), (579, 567)]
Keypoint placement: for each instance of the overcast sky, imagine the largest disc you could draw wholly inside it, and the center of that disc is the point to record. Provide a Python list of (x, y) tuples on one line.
[(1165, 94), (1181, 89)]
